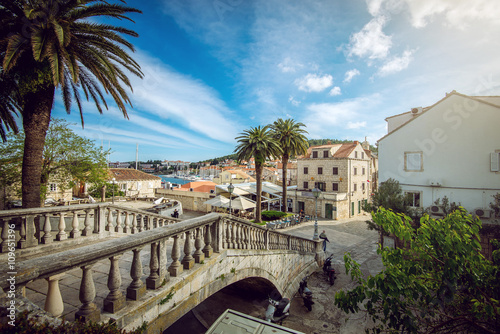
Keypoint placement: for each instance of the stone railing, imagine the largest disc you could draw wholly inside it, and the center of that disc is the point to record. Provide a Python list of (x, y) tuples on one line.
[(209, 233), (33, 227)]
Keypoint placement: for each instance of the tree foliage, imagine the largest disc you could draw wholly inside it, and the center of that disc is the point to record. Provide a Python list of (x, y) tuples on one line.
[(440, 283), (67, 158), (291, 137), (260, 144)]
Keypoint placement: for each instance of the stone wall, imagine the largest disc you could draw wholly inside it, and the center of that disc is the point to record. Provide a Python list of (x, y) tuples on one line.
[(191, 200)]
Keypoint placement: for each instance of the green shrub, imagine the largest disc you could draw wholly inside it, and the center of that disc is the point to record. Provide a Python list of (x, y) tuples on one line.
[(272, 215), (29, 326)]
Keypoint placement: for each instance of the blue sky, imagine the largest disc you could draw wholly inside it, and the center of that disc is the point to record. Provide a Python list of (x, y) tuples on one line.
[(214, 68)]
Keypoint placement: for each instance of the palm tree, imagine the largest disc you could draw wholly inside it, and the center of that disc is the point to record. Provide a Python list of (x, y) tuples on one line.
[(51, 44), (291, 137), (258, 143)]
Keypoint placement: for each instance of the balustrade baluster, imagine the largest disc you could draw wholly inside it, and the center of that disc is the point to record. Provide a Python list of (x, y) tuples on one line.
[(88, 311), (53, 301), (208, 250), (188, 260), (141, 223), (4, 246), (75, 232), (61, 235), (109, 226), (175, 268), (136, 289), (87, 229), (115, 300), (228, 234), (153, 281), (232, 230), (127, 228), (22, 234), (198, 254), (119, 227), (134, 223)]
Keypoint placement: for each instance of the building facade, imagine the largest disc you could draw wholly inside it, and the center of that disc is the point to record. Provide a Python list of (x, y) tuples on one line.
[(343, 174), (451, 149), (135, 183)]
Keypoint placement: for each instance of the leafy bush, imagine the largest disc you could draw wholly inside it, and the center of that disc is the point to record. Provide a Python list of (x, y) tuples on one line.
[(272, 215), (29, 326)]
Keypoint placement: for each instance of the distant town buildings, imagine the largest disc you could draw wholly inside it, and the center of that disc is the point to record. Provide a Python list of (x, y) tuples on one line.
[(451, 149)]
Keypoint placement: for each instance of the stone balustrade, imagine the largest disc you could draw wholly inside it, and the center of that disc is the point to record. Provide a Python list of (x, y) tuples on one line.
[(41, 226), (192, 241)]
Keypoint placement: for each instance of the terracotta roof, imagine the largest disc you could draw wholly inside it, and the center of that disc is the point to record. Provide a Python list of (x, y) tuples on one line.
[(345, 150), (130, 174), (198, 186)]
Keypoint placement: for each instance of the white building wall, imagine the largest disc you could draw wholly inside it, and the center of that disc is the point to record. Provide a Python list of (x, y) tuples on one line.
[(455, 139)]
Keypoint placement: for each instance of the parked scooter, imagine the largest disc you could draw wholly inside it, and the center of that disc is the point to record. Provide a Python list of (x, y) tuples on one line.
[(306, 294), (329, 270), (278, 308)]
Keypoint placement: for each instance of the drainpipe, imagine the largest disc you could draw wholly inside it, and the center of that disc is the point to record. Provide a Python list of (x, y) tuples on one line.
[(349, 205)]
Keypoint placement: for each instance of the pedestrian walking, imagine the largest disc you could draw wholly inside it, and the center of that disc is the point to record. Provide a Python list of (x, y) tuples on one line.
[(325, 239)]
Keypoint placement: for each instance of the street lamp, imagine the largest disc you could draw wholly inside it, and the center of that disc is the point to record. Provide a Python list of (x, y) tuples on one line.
[(113, 179), (230, 189), (316, 193)]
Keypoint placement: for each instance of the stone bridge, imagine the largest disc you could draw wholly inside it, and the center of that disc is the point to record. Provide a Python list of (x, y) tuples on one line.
[(185, 262)]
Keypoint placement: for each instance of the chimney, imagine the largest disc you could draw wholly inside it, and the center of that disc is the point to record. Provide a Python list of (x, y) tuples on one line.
[(356, 142), (329, 142)]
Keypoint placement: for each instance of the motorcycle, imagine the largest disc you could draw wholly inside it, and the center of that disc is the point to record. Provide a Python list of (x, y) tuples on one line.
[(329, 270), (278, 308), (306, 294)]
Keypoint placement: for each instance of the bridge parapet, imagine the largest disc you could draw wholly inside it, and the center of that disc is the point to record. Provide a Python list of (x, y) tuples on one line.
[(208, 234), (58, 226)]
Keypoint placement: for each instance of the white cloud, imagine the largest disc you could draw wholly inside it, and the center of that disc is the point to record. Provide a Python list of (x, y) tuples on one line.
[(314, 83), (335, 91), (350, 74), (356, 125), (457, 13), (396, 64), (371, 41)]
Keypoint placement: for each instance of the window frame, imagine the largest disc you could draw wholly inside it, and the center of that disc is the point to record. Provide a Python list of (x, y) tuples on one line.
[(320, 170), (315, 154), (306, 170), (355, 170), (306, 184), (335, 171), (407, 156), (413, 192), (325, 154), (335, 185)]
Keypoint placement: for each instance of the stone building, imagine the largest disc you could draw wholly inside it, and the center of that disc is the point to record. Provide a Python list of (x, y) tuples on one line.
[(344, 174)]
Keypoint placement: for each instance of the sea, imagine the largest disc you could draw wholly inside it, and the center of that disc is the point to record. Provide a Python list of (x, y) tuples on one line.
[(168, 178)]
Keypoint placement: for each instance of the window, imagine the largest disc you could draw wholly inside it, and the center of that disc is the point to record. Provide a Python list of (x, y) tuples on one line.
[(335, 186), (306, 170), (53, 187), (315, 154), (355, 187), (495, 162), (362, 155), (335, 171), (320, 170), (355, 154), (325, 154), (363, 186), (320, 185), (306, 185), (363, 171), (355, 171), (413, 162), (412, 198)]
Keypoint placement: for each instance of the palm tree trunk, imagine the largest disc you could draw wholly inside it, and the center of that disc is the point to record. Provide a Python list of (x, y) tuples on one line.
[(36, 119), (284, 161), (258, 208)]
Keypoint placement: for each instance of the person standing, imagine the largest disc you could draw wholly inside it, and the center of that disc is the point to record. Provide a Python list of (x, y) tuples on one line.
[(324, 238)]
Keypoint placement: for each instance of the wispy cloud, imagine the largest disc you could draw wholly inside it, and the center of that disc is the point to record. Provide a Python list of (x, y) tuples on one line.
[(288, 65), (396, 64), (356, 125), (293, 101), (314, 83), (350, 74)]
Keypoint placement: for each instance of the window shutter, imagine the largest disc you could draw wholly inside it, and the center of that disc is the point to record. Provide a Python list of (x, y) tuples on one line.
[(495, 163)]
